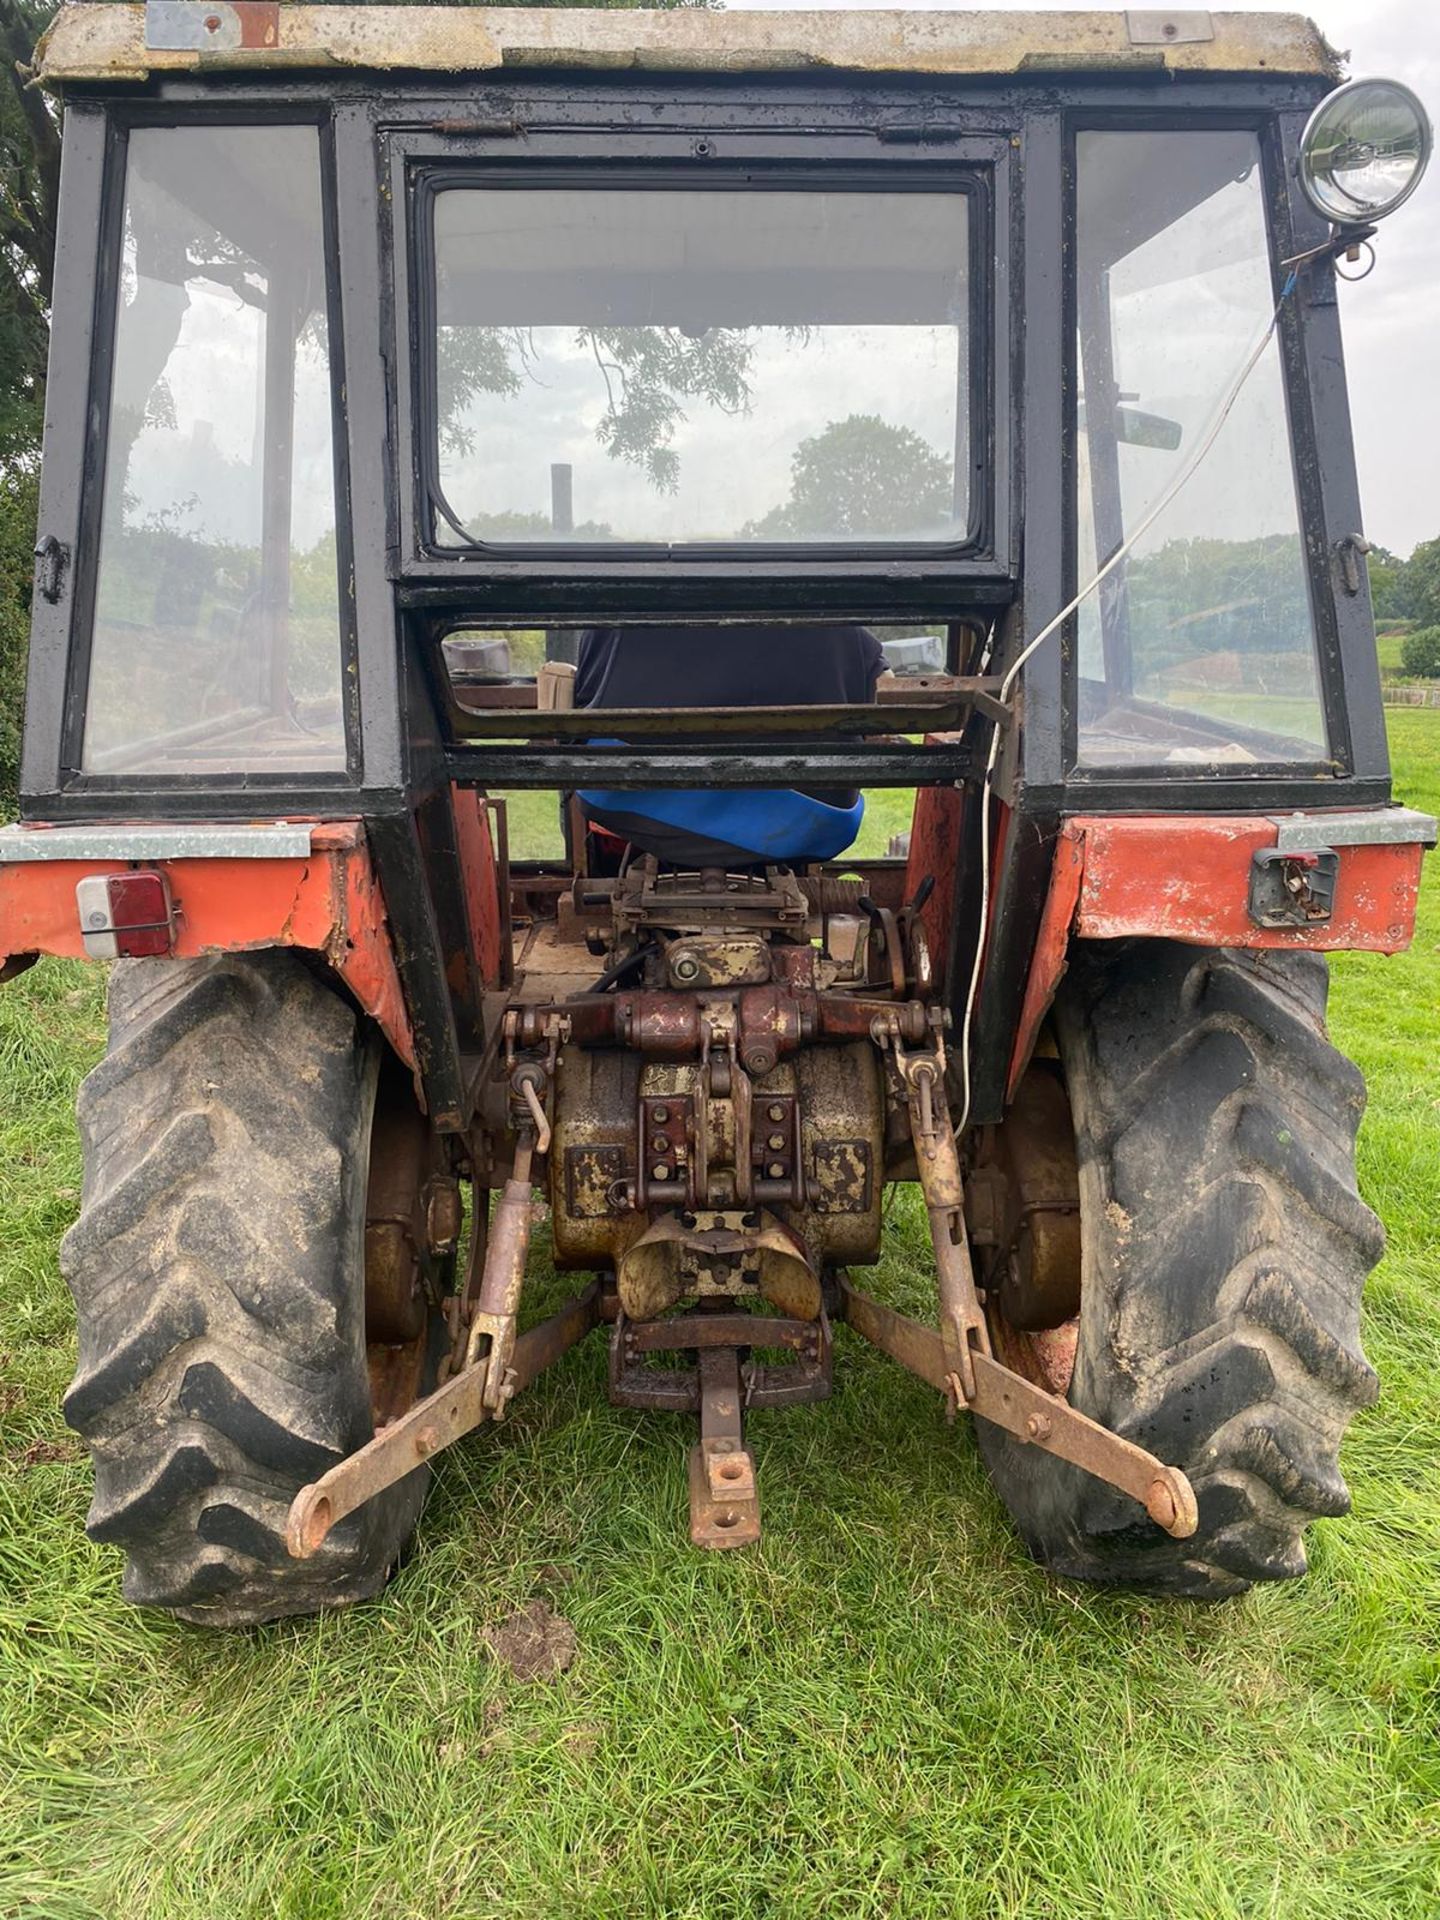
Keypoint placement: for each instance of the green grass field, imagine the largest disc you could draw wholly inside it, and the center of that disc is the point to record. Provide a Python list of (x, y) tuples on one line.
[(885, 1710)]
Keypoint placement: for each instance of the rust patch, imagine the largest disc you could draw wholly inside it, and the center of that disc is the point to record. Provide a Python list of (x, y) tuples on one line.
[(844, 1171), (1187, 877), (595, 1180), (330, 903), (1047, 968)]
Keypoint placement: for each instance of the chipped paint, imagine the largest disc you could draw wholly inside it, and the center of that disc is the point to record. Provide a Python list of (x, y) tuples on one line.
[(1188, 877), (107, 42), (329, 903)]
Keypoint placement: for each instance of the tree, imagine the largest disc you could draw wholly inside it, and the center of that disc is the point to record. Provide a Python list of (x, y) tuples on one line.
[(1420, 653), (864, 478), (29, 185), (1389, 585), (18, 486), (1422, 583)]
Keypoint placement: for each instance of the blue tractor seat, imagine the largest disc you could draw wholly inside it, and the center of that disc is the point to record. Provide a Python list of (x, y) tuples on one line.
[(725, 827), (728, 667)]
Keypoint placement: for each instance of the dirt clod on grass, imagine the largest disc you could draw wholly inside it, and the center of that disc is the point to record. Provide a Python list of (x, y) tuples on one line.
[(535, 1643), (48, 1453)]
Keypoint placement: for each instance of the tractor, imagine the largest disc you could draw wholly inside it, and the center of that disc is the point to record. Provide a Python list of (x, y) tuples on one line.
[(517, 487)]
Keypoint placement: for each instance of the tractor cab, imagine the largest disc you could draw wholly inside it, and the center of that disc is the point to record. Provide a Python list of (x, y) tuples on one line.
[(698, 616)]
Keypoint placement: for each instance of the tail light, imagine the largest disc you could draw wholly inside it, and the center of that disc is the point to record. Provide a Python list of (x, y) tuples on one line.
[(126, 916)]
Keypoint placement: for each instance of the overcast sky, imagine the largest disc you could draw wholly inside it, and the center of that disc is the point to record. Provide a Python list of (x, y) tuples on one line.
[(1392, 320)]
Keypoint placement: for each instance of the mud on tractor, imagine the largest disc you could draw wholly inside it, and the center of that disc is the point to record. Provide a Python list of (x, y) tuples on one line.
[(513, 483)]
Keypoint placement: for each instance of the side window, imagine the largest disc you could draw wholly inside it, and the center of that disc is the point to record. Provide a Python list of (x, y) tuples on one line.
[(1199, 648), (216, 644)]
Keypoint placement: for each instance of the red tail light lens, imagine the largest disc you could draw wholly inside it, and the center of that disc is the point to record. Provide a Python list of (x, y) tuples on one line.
[(126, 916)]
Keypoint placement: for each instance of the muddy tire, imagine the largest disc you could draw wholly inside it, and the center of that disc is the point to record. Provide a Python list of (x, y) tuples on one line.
[(219, 1280), (1224, 1251)]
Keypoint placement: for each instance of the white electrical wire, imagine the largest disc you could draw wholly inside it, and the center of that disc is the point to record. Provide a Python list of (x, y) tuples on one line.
[(1186, 473)]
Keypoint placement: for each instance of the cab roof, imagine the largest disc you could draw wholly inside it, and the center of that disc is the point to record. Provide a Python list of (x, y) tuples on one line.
[(87, 43)]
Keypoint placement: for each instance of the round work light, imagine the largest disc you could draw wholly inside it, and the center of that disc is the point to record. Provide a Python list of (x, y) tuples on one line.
[(1364, 151)]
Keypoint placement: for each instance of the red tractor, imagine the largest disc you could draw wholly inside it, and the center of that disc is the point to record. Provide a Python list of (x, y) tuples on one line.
[(517, 486)]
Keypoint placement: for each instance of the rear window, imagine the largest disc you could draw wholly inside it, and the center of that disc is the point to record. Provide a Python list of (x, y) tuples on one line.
[(662, 366)]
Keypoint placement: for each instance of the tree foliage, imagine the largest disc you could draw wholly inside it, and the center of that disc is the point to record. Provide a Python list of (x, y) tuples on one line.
[(1422, 583), (18, 485), (1420, 653), (865, 478), (648, 372), (29, 184), (1389, 586)]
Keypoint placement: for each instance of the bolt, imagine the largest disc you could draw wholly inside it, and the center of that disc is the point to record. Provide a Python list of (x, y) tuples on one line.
[(686, 968), (427, 1441), (776, 1170), (776, 1143), (660, 1116), (777, 1112), (660, 1143), (212, 23), (1039, 1426), (660, 1171)]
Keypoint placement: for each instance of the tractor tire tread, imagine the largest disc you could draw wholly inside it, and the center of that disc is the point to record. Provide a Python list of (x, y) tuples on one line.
[(1226, 1248), (217, 1270)]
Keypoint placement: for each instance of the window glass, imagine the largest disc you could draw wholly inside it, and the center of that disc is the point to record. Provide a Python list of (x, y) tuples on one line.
[(1199, 647), (657, 365), (217, 624)]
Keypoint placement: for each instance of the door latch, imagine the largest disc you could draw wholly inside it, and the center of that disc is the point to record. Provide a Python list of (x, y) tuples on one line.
[(1350, 551)]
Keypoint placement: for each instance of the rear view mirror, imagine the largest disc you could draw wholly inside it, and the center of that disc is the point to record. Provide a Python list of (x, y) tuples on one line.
[(1134, 428)]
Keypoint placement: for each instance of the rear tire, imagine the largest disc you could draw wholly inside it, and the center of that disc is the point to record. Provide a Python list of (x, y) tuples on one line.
[(1224, 1250), (218, 1269)]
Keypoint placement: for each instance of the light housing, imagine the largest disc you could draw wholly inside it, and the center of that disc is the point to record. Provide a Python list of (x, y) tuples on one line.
[(126, 916), (1364, 151)]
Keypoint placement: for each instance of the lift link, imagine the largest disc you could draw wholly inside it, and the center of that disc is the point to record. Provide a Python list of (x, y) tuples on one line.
[(958, 1359), (498, 1306), (485, 1383), (442, 1417)]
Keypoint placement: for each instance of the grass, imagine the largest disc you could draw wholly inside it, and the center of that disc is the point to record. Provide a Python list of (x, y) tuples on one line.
[(885, 1710)]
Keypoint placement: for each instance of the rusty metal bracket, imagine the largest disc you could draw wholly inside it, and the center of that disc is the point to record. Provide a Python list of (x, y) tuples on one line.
[(441, 1418), (1033, 1416), (724, 1502), (963, 1330)]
